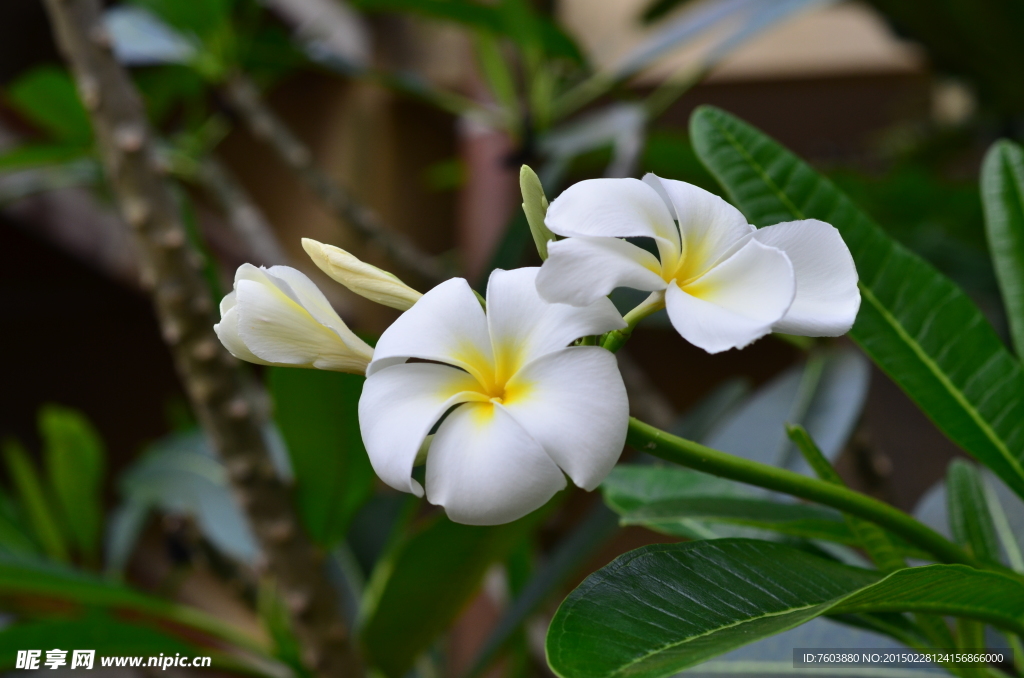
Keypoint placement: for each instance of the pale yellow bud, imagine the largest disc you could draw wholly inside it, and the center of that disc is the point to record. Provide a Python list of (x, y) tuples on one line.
[(365, 280)]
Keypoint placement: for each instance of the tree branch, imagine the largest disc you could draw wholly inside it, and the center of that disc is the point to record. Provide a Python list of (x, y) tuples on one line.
[(245, 218), (264, 124), (221, 396)]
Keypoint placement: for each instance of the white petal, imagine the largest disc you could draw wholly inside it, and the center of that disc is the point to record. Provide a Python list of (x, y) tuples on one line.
[(711, 228), (581, 270), (447, 325), (574, 404), (524, 327), (827, 298), (277, 329), (736, 302), (305, 291), (614, 208), (485, 469), (227, 332), (398, 407)]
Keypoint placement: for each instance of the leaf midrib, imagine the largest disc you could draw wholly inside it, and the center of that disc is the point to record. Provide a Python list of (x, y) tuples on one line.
[(955, 392)]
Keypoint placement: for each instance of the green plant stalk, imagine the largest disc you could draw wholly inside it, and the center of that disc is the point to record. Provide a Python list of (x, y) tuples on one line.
[(700, 458), (615, 339)]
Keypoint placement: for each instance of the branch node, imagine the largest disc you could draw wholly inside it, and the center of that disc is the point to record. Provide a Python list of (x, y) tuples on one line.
[(239, 468), (89, 92), (173, 239), (147, 278), (201, 304), (280, 531), (172, 333), (129, 138), (337, 632), (205, 349), (100, 36), (136, 212), (237, 408), (297, 603), (312, 658)]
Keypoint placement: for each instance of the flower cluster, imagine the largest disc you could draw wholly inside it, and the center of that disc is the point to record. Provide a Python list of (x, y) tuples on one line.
[(503, 398)]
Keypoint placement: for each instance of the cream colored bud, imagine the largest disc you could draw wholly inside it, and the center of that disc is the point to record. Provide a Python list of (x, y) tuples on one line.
[(365, 280)]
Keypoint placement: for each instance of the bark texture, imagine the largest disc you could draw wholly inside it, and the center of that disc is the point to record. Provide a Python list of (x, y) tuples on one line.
[(223, 399)]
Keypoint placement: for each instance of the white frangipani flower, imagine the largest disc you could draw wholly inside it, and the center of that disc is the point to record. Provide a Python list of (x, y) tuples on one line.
[(277, 316), (529, 405), (725, 282)]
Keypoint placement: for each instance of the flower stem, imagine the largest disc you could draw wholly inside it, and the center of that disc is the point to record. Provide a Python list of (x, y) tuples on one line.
[(615, 339), (698, 457)]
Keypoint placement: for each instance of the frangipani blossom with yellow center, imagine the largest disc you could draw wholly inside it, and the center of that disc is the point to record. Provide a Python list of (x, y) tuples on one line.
[(725, 282), (517, 404), (278, 316)]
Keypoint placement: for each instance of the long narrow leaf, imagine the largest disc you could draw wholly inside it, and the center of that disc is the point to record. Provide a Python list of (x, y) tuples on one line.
[(915, 323), (969, 517), (1002, 192), (36, 504), (660, 609)]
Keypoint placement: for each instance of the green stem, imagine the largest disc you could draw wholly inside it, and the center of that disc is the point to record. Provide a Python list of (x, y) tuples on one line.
[(698, 457), (614, 340)]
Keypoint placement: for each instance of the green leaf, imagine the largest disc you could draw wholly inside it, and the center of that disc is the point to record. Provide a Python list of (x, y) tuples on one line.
[(915, 323), (1001, 522), (14, 539), (316, 413), (685, 503), (495, 69), (113, 637), (47, 97), (419, 588), (94, 631), (869, 536), (34, 501), (75, 462), (798, 520), (30, 588), (38, 155), (203, 19), (1002, 193), (660, 609), (969, 517)]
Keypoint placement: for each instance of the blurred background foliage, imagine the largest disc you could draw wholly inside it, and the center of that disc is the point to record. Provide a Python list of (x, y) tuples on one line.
[(118, 529)]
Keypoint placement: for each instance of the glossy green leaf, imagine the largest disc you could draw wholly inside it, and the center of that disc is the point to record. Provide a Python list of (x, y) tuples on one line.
[(75, 463), (1002, 193), (915, 323), (685, 503), (869, 536), (34, 501), (969, 517), (316, 413), (47, 97), (419, 588), (33, 587), (660, 609), (799, 520)]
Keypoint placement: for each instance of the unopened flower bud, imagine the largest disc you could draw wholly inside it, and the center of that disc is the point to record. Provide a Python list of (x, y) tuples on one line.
[(365, 280), (535, 205)]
